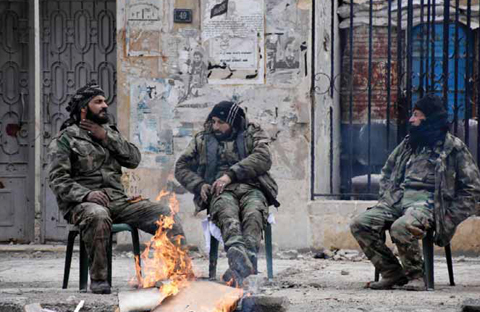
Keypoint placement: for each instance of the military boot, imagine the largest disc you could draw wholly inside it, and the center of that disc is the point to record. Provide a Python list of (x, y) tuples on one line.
[(232, 279), (389, 282), (254, 260), (100, 287), (239, 262)]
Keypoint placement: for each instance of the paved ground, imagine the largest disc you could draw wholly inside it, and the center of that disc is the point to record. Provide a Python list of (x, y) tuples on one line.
[(28, 275)]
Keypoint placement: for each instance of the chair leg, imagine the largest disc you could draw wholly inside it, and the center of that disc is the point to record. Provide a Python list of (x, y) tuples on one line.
[(377, 275), (268, 250), (109, 260), (448, 255), (136, 245), (212, 265), (428, 260), (83, 266), (68, 257)]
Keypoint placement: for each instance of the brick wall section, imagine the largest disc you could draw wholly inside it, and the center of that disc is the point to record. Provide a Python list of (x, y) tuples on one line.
[(360, 74)]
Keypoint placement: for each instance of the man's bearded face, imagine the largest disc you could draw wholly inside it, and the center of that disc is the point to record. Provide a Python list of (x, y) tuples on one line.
[(221, 129), (97, 110)]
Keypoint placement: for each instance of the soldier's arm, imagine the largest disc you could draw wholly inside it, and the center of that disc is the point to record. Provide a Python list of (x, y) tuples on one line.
[(387, 169), (467, 184), (258, 162), (186, 168), (126, 153), (59, 176)]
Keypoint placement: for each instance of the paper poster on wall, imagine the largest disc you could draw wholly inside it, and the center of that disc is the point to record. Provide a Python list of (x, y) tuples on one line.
[(150, 113), (144, 23), (233, 32)]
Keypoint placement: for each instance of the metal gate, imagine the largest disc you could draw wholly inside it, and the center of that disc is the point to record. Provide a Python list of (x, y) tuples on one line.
[(78, 45), (16, 116)]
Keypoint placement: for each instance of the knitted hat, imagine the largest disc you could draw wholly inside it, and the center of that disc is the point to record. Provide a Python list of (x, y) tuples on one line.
[(432, 106), (229, 112)]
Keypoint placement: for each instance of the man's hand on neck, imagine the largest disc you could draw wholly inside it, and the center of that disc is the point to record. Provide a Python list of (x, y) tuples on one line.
[(95, 130)]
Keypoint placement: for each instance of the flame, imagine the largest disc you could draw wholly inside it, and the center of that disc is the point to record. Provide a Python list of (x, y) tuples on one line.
[(164, 260), (227, 303)]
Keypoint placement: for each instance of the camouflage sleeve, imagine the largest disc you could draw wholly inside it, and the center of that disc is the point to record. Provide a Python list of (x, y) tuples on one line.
[(186, 168), (59, 173), (385, 175), (467, 185), (126, 153), (258, 162)]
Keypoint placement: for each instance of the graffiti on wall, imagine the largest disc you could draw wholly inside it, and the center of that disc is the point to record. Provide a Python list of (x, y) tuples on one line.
[(233, 31), (144, 22), (151, 113)]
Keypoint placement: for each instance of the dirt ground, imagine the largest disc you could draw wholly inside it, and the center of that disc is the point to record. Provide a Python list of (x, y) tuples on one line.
[(310, 284)]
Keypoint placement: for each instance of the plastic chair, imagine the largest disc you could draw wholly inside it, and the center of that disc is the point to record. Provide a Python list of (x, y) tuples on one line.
[(74, 231), (213, 258), (427, 245)]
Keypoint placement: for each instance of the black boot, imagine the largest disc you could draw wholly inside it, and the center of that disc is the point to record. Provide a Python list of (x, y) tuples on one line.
[(100, 287)]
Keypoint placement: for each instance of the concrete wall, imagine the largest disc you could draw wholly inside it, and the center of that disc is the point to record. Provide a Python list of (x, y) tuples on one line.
[(157, 55), (280, 103)]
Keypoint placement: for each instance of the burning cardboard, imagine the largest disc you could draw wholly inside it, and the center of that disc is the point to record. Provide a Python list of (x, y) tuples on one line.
[(202, 296)]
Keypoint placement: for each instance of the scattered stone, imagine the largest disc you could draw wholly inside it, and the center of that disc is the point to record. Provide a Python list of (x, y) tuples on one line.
[(460, 259), (288, 254), (323, 254), (34, 307), (263, 304), (343, 272), (315, 285), (471, 305)]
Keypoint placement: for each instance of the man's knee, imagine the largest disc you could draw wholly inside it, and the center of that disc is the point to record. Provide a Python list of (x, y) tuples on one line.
[(358, 225), (92, 213), (399, 231)]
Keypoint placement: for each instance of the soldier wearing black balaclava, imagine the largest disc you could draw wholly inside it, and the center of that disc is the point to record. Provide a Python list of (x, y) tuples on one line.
[(429, 182)]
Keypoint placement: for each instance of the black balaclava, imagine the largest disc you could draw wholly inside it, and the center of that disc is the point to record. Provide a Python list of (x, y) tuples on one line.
[(79, 100), (229, 112), (435, 127)]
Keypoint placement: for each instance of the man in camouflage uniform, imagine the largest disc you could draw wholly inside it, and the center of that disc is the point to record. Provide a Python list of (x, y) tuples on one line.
[(226, 167), (430, 181), (86, 160)]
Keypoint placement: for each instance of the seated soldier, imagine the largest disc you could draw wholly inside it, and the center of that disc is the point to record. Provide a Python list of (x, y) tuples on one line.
[(226, 166), (430, 181), (86, 159)]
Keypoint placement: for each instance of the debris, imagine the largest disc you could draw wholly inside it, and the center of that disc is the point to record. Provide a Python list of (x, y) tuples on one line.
[(79, 306), (288, 254), (264, 304), (202, 296), (34, 307), (343, 272), (140, 300)]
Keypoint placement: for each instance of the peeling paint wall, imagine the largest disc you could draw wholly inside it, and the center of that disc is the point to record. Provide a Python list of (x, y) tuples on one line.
[(171, 74)]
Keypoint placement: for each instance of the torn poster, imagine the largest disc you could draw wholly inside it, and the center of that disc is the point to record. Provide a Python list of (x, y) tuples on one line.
[(233, 34), (144, 23), (150, 114)]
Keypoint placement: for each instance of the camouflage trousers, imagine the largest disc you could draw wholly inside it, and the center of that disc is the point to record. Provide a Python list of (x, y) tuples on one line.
[(408, 221), (95, 222), (240, 212)]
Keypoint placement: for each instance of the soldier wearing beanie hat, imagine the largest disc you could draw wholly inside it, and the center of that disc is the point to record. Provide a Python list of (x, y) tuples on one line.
[(429, 182), (86, 159), (224, 165)]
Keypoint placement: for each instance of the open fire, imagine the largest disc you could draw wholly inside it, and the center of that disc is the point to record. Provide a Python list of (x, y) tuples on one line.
[(166, 265), (163, 260)]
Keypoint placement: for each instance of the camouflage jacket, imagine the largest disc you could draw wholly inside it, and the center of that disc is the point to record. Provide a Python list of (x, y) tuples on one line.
[(192, 168), (457, 184), (78, 165)]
